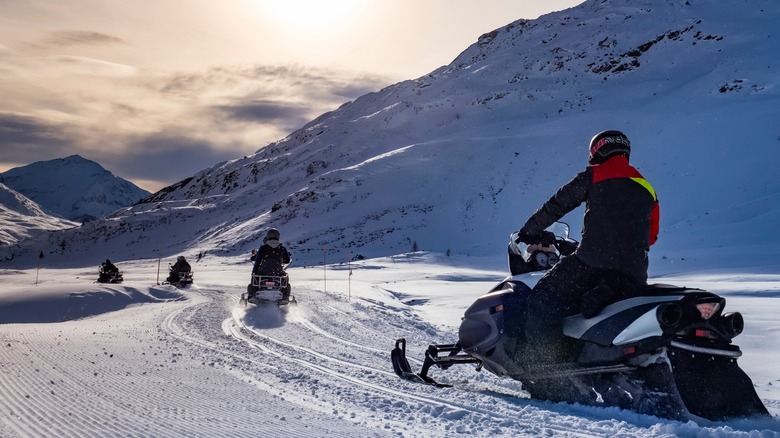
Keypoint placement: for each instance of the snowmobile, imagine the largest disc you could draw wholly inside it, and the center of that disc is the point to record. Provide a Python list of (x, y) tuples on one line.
[(109, 276), (269, 285), (180, 279), (663, 350)]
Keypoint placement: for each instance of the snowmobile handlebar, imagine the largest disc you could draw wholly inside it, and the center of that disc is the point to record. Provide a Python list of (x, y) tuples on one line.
[(564, 246)]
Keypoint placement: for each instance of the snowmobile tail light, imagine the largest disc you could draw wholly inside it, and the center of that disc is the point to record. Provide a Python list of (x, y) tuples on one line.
[(703, 334), (707, 309), (498, 308), (629, 350)]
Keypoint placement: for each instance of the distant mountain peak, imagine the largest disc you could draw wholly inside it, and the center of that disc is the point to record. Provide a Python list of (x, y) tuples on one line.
[(73, 187)]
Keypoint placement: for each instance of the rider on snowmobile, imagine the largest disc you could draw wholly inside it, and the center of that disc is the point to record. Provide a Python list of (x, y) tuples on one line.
[(181, 265), (108, 272), (271, 257), (620, 224), (108, 267)]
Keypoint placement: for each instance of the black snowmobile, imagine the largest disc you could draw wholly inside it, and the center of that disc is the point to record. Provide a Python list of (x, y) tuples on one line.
[(270, 284), (664, 350), (179, 278)]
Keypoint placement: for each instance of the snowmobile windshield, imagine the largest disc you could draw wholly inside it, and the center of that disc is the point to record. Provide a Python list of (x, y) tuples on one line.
[(559, 229), (529, 258)]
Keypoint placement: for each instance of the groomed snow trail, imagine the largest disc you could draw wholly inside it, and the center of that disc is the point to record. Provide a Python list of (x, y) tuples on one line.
[(205, 367)]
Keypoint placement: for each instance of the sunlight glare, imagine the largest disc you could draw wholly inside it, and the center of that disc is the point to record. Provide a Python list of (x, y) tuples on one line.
[(311, 16)]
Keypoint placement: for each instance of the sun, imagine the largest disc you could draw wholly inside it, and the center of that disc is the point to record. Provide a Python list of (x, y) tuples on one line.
[(311, 16)]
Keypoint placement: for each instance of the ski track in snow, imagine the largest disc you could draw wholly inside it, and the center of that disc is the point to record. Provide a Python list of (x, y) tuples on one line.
[(361, 377), (366, 382)]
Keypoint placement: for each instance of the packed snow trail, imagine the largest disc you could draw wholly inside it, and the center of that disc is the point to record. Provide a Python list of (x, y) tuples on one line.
[(130, 373)]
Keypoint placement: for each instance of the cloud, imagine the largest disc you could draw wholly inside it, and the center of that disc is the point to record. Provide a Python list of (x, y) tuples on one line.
[(284, 82), (289, 115), (83, 78), (69, 41), (161, 126), (69, 38), (91, 66), (164, 157), (23, 137), (256, 103), (173, 155), (357, 88)]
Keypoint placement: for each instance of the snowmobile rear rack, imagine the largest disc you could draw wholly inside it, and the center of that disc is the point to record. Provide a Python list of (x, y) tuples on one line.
[(403, 370)]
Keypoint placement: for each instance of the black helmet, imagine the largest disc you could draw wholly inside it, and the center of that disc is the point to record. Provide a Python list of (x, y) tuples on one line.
[(272, 238), (606, 144)]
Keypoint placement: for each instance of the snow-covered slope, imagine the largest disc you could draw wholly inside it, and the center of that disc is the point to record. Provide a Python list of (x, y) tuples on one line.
[(21, 218), (73, 187), (457, 159)]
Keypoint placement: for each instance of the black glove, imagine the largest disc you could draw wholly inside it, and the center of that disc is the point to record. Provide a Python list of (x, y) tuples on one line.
[(546, 238), (525, 237)]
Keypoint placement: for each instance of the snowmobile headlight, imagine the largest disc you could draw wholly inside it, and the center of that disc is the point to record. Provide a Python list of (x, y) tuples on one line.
[(707, 309)]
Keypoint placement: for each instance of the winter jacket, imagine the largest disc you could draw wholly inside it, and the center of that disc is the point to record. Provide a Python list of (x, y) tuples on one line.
[(181, 266), (278, 254), (621, 216)]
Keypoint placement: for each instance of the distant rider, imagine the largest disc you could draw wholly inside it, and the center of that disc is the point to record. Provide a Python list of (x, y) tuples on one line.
[(180, 266), (620, 224), (107, 271), (107, 267)]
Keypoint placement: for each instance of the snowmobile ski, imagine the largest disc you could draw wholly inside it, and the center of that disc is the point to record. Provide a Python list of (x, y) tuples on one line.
[(404, 371)]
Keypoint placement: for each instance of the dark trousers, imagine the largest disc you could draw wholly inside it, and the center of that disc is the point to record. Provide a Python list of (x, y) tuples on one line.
[(556, 295)]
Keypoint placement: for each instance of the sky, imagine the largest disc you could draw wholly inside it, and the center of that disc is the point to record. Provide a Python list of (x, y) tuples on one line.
[(157, 90)]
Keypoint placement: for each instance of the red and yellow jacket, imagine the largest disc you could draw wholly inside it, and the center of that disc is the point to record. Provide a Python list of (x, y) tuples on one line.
[(621, 216)]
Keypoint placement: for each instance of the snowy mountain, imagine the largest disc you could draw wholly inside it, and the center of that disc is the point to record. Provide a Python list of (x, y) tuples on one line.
[(73, 187), (457, 159), (21, 218)]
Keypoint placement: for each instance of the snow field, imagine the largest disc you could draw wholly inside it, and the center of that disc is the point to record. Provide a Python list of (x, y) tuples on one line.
[(192, 362)]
